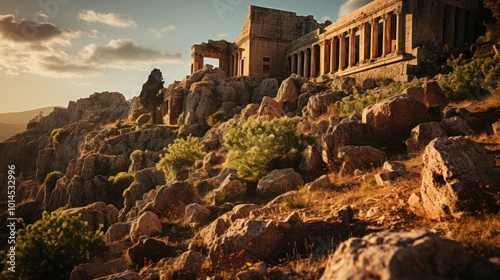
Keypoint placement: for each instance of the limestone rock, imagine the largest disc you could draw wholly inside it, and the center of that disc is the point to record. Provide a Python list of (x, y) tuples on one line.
[(346, 214), (250, 110), (422, 135), (415, 205), (496, 127), (100, 269), (144, 181), (172, 199), (269, 109), (116, 231), (343, 134), (311, 162), (456, 126), (386, 178), (320, 104), (268, 87), (288, 95), (232, 188), (126, 275), (150, 249), (458, 177), (360, 157), (397, 166), (253, 239), (196, 213), (95, 214), (393, 118), (397, 255), (278, 182), (147, 224), (430, 93), (321, 183), (188, 264)]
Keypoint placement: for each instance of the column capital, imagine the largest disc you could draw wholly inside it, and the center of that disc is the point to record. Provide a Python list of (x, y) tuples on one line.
[(399, 10)]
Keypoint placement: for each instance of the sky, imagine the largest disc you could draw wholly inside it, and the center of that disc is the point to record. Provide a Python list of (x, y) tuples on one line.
[(54, 51)]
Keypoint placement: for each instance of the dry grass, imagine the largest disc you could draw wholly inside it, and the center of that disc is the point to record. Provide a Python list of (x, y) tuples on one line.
[(490, 102), (480, 235)]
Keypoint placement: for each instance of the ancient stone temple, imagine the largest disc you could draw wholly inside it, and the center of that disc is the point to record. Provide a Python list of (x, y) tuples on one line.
[(385, 38)]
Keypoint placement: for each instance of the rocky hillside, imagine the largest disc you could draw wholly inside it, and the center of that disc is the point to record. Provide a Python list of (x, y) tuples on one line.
[(293, 179)]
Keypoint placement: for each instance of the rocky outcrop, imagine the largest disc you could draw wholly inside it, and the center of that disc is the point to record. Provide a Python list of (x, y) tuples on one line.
[(172, 199), (96, 215), (269, 109), (430, 93), (392, 119), (321, 104), (116, 232), (360, 157), (341, 135), (144, 181), (288, 95), (253, 239), (422, 135), (397, 255), (268, 87), (147, 224), (279, 181), (458, 177)]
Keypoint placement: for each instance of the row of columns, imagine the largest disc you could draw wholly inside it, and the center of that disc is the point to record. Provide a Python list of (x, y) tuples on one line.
[(236, 64), (370, 40)]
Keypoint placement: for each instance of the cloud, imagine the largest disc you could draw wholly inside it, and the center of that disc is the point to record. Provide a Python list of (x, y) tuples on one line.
[(26, 31), (223, 35), (107, 18), (351, 5), (95, 34), (159, 33)]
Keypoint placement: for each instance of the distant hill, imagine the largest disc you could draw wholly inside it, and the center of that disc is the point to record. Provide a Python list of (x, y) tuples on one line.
[(15, 122)]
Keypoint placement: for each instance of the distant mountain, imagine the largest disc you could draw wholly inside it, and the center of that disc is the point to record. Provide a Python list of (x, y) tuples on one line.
[(15, 122)]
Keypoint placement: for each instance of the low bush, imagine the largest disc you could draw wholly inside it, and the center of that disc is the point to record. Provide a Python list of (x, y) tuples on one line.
[(58, 135), (116, 186), (52, 247), (471, 77), (51, 180), (180, 154), (253, 145)]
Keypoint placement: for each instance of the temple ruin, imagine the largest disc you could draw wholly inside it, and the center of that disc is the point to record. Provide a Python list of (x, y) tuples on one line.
[(385, 38)]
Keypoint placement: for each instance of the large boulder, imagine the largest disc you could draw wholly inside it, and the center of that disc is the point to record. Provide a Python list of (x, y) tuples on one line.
[(456, 126), (188, 264), (172, 199), (254, 239), (147, 224), (360, 157), (95, 214), (320, 104), (144, 181), (116, 232), (196, 213), (231, 188), (269, 109), (430, 93), (393, 118), (288, 95), (421, 135), (341, 135), (268, 87), (458, 177), (397, 255), (279, 181)]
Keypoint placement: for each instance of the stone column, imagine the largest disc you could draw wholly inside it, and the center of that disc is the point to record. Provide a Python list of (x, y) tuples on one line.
[(343, 50), (352, 48), (300, 63), (450, 24), (236, 64), (374, 36), (460, 27), (400, 32), (326, 55), (387, 33), (313, 62), (294, 64), (231, 66), (364, 42), (307, 63), (334, 65)]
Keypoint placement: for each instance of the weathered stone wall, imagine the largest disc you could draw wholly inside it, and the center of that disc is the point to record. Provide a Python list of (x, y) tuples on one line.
[(213, 49)]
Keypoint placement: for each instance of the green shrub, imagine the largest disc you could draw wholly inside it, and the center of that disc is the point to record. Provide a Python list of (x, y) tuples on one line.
[(471, 77), (116, 186), (361, 100), (51, 180), (136, 155), (180, 154), (253, 145), (52, 247), (217, 118), (58, 135)]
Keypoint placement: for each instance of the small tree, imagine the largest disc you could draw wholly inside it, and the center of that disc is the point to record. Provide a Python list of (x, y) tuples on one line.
[(253, 145), (52, 247), (180, 154)]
